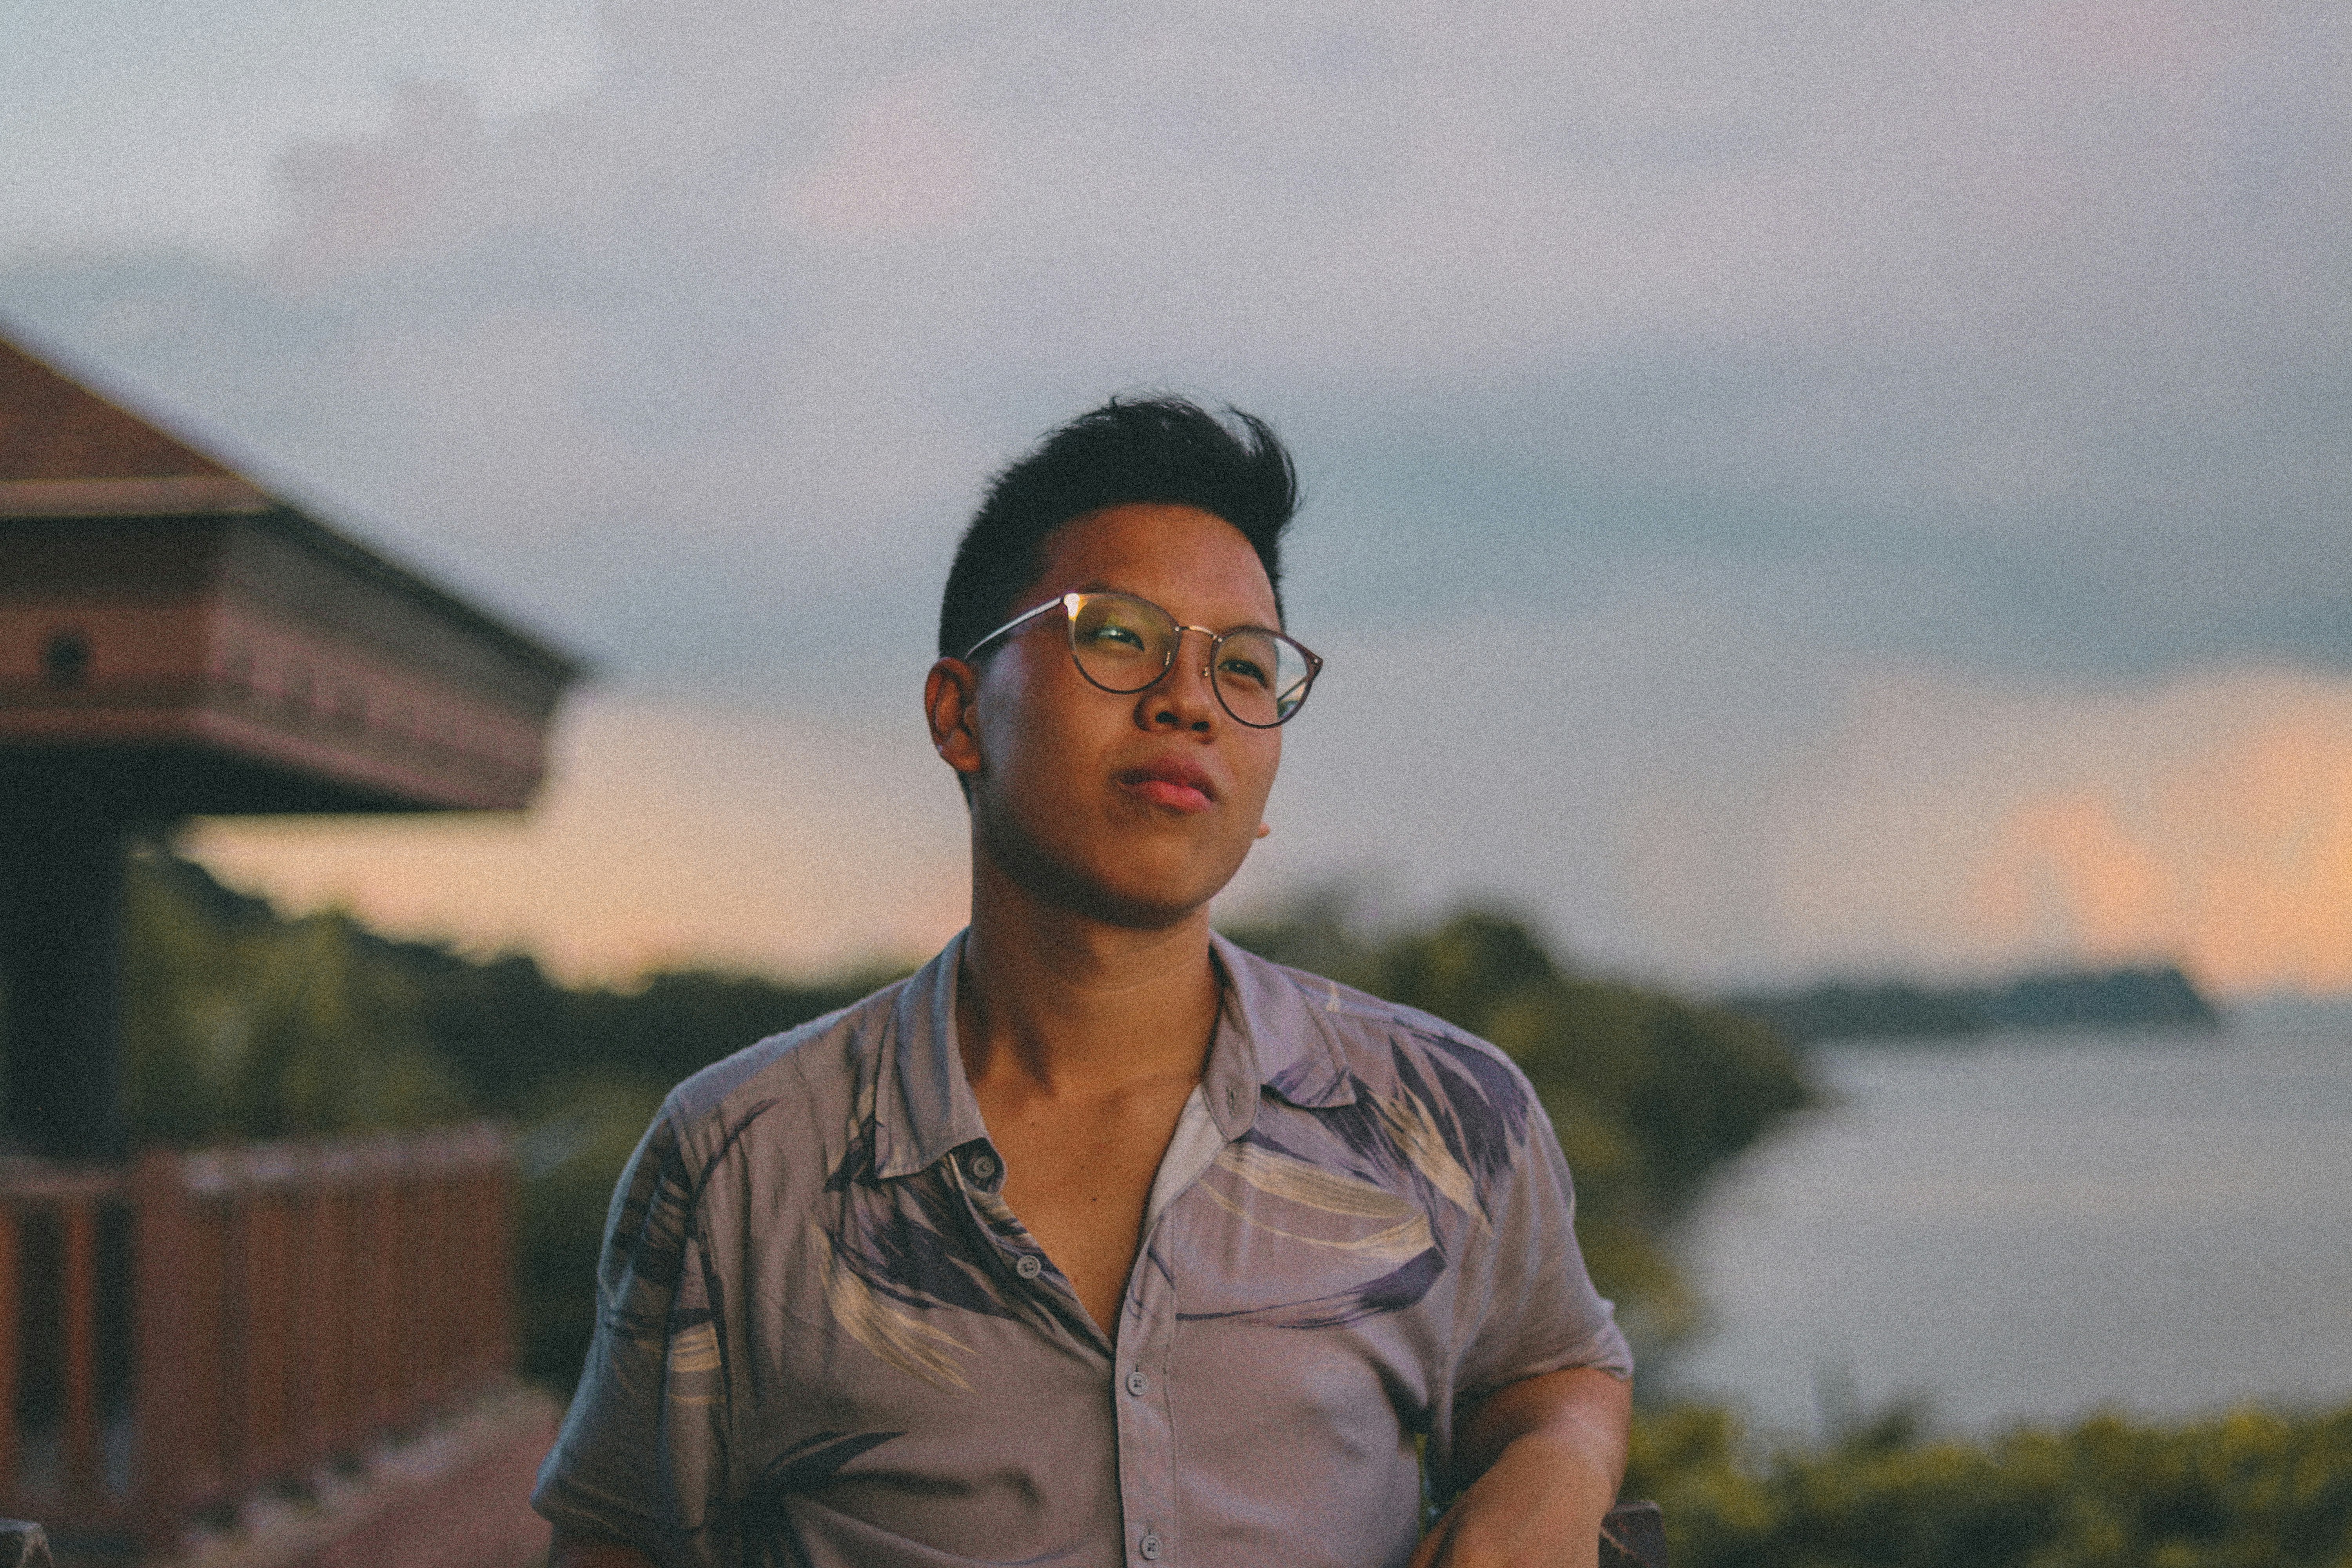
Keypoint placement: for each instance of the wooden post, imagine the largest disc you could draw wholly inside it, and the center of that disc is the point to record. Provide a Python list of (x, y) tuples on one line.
[(430, 1256), (266, 1314), (311, 1322), (247, 1312), (10, 1349), (384, 1262), (420, 1253), (449, 1249), (78, 1337), (78, 1315), (202, 1300), (332, 1246), (448, 1326), (169, 1356), (402, 1233), (505, 1186), (459, 1298), (499, 1194)]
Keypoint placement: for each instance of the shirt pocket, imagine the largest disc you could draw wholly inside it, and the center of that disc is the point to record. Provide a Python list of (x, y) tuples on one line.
[(1281, 1241)]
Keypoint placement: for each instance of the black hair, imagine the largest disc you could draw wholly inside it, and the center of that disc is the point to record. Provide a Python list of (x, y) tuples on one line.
[(1167, 450)]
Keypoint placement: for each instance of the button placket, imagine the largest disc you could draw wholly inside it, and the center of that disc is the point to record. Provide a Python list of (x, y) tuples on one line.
[(1144, 1421)]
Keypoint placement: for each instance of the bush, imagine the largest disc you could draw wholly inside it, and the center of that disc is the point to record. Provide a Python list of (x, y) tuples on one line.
[(238, 1025), (2252, 1489)]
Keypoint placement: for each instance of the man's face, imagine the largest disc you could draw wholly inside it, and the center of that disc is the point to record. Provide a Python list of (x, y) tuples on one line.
[(1132, 808)]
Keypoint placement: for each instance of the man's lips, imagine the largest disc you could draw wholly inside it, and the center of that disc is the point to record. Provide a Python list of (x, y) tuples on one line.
[(1172, 782)]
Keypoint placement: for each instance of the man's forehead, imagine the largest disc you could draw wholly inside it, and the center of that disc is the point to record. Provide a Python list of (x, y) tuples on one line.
[(1159, 551)]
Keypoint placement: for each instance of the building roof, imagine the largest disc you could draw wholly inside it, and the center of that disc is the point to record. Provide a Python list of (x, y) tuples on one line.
[(53, 429), (67, 452), (173, 631)]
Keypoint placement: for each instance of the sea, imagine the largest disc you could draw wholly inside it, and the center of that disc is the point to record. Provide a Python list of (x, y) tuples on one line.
[(2034, 1227)]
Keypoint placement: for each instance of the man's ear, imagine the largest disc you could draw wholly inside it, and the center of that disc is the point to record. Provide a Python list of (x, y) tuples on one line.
[(948, 696)]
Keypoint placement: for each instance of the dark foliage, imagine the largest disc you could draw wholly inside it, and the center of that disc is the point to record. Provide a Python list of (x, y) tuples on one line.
[(2253, 1489)]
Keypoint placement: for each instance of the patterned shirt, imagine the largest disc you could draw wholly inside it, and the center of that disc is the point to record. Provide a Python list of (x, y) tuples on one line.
[(823, 1339)]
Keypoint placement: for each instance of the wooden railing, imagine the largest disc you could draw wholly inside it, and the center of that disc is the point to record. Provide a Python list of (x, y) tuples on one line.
[(178, 1334)]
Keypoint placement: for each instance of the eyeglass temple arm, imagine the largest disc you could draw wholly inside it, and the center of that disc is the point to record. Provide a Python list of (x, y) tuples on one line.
[(1022, 619)]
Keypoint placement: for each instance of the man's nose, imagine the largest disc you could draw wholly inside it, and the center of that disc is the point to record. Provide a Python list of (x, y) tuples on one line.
[(1183, 698)]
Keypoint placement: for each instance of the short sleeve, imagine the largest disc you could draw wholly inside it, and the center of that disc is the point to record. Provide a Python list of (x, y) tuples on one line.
[(1529, 1305), (642, 1453)]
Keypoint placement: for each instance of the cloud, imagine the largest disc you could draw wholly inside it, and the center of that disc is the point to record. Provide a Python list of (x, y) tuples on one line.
[(163, 122), (2238, 859), (894, 166), (2018, 305), (1671, 387), (1942, 829)]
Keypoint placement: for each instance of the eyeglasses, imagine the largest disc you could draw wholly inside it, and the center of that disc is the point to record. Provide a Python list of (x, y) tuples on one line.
[(1123, 644)]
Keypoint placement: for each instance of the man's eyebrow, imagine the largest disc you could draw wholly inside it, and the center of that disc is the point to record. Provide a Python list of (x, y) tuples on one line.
[(1103, 585)]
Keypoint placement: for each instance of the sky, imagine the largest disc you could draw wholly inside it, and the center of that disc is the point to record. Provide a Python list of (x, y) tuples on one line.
[(1793, 488)]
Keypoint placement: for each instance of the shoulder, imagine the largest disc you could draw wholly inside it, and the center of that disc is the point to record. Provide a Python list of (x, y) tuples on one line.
[(791, 1090), (1387, 1053)]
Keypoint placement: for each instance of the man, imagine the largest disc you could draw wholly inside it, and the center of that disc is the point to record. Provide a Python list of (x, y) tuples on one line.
[(1099, 1240)]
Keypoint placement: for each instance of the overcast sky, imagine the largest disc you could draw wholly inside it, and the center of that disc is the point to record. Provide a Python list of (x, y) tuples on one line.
[(1793, 487)]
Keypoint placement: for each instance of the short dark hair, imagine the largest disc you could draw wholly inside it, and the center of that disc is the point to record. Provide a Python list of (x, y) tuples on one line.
[(1168, 450)]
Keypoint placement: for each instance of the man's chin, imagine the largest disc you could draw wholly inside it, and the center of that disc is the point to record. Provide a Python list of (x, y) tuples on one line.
[(1153, 906), (1140, 898), (1144, 915)]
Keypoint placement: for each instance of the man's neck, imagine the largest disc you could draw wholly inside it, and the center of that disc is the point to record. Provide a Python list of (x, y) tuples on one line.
[(1076, 1005)]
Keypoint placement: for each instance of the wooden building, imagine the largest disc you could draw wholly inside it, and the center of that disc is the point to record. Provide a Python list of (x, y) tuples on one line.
[(188, 1331), (177, 640)]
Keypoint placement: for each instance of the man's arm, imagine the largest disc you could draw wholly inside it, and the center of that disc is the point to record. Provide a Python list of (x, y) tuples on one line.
[(572, 1551), (1549, 1453)]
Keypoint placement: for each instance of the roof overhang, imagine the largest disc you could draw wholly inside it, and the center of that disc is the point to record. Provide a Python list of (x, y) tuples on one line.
[(180, 641)]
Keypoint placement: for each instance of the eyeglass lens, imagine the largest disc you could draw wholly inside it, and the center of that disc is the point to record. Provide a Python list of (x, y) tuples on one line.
[(1124, 644)]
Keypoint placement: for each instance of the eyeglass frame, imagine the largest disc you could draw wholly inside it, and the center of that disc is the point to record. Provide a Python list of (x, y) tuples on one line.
[(1065, 603)]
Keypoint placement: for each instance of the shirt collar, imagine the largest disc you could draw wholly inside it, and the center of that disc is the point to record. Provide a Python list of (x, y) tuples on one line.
[(1274, 1031), (923, 1104)]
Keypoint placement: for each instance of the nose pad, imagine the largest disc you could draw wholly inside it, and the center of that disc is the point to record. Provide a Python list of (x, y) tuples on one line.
[(1171, 695)]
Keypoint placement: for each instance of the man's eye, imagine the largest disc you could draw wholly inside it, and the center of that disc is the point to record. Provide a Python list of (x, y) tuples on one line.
[(1247, 669), (1124, 639)]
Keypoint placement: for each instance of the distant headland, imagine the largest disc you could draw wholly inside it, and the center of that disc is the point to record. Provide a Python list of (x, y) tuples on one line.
[(2159, 996)]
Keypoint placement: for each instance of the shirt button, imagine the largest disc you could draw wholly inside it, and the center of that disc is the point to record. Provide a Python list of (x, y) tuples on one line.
[(1028, 1267), (1150, 1547), (1137, 1382), (984, 1166)]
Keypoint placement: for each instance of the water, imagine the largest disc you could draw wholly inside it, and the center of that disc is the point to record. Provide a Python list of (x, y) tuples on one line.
[(2034, 1226)]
